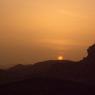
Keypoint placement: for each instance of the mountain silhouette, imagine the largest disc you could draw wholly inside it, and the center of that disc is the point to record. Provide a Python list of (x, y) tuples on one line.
[(90, 59), (65, 74)]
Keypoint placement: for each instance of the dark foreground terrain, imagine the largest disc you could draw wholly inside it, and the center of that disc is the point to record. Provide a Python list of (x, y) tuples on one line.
[(51, 77), (45, 86)]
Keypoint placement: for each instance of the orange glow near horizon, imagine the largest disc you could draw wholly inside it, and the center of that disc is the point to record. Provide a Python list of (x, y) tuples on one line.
[(60, 58), (36, 30)]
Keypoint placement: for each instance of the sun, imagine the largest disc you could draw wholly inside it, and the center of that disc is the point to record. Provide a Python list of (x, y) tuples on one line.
[(60, 58)]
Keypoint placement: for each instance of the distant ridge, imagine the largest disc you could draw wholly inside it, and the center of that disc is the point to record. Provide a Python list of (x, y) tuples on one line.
[(52, 77), (83, 70)]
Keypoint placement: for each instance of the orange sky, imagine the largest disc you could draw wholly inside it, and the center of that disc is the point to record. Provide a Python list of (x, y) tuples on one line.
[(35, 30)]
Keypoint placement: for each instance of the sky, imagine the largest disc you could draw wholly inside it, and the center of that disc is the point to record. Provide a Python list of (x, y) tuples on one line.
[(38, 30)]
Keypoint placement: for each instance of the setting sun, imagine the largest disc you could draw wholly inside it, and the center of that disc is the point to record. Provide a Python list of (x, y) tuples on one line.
[(37, 30), (60, 58)]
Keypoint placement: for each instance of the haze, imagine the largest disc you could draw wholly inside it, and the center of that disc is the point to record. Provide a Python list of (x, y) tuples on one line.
[(38, 30)]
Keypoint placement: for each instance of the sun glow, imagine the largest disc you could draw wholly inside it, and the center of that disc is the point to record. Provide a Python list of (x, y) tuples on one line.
[(60, 58)]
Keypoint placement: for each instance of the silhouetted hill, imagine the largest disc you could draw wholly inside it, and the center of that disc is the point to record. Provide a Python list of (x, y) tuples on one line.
[(74, 75), (79, 71)]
